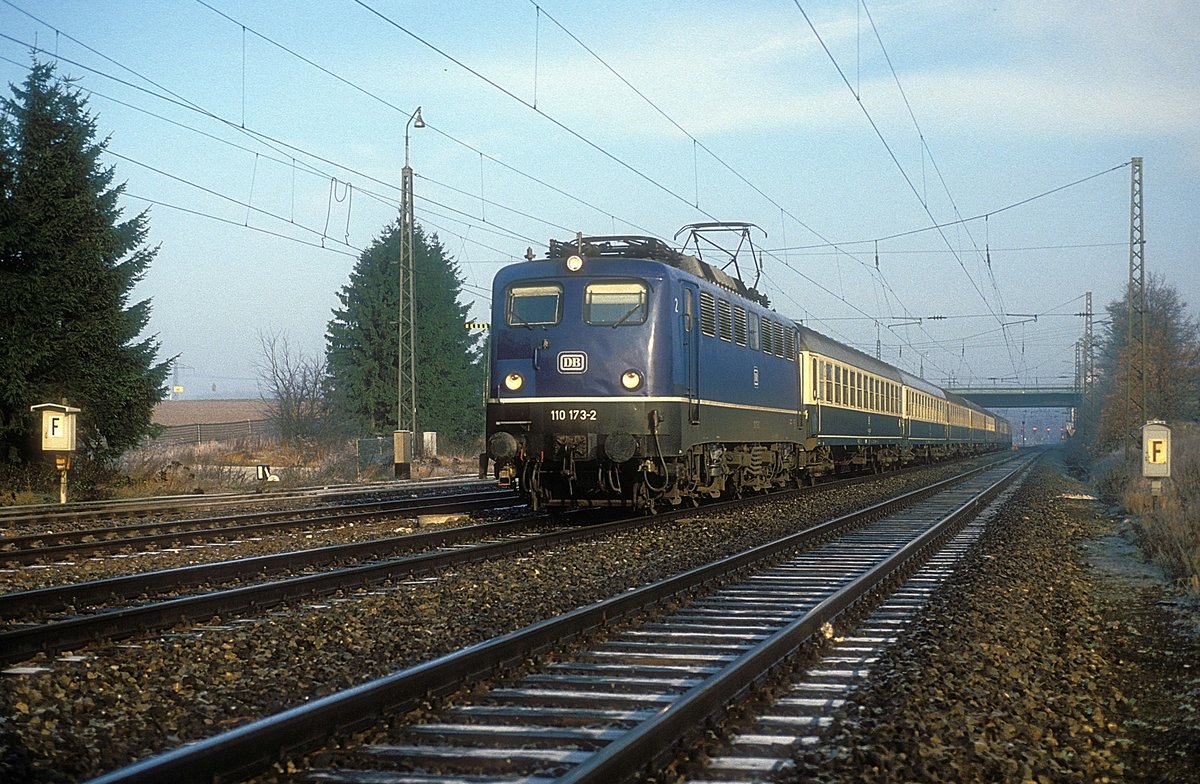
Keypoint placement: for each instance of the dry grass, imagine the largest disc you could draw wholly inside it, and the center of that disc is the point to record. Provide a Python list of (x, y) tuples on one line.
[(231, 467), (1169, 526)]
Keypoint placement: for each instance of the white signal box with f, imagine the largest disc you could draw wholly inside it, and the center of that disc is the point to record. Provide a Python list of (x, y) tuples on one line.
[(58, 426), (1156, 450)]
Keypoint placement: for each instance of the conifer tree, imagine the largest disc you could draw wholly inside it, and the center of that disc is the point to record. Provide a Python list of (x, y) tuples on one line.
[(361, 343), (67, 265)]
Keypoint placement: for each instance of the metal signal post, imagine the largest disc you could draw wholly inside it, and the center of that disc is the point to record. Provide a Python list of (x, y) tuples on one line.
[(406, 361)]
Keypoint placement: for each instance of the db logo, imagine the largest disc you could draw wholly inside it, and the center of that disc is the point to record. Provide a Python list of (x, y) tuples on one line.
[(572, 362)]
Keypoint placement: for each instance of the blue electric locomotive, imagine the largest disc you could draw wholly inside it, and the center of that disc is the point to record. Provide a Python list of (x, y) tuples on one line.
[(623, 372)]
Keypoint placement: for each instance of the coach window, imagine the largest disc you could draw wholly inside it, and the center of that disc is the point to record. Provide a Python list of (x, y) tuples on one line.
[(688, 311), (615, 304), (534, 305), (752, 327)]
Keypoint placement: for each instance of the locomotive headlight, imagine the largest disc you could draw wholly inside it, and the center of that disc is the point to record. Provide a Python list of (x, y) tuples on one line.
[(574, 263), (631, 379), (513, 382)]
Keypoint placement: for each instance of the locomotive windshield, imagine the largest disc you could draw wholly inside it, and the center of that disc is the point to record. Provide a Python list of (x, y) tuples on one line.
[(615, 304), (530, 305)]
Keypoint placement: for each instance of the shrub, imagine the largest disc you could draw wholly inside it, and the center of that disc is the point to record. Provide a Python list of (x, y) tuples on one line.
[(1169, 526), (1110, 476)]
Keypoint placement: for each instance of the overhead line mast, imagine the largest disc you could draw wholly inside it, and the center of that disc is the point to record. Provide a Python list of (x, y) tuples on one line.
[(1135, 336)]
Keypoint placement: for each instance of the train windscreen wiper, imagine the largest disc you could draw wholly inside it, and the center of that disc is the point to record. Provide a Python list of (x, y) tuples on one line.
[(513, 314), (628, 313)]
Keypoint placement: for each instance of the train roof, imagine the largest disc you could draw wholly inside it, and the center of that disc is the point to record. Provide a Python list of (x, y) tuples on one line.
[(916, 382), (962, 401), (811, 340), (634, 247), (653, 249)]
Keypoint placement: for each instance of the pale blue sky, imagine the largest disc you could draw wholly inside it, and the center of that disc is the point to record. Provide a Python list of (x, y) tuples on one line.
[(1013, 99)]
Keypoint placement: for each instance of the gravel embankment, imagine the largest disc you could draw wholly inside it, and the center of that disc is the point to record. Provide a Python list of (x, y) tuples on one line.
[(123, 702), (1038, 663)]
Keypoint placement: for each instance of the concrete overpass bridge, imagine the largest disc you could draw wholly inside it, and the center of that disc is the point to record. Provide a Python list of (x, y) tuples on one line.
[(1021, 396)]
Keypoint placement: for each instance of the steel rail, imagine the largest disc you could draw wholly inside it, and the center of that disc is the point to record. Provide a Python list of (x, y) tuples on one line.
[(207, 529), (58, 597), (21, 643), (92, 509), (182, 523), (89, 628), (653, 742), (252, 748)]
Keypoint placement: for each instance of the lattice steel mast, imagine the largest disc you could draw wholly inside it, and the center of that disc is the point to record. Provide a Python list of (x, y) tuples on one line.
[(1088, 402), (1135, 336), (406, 357)]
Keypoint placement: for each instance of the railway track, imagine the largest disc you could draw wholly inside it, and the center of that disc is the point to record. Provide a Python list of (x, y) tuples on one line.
[(64, 617), (19, 517), (761, 745), (620, 703), (450, 548), (49, 547)]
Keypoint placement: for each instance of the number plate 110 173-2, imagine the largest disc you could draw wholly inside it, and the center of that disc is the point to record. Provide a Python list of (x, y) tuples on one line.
[(572, 415)]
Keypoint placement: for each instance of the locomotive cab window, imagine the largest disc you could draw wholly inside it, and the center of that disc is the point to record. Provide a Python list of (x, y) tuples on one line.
[(615, 304), (539, 304)]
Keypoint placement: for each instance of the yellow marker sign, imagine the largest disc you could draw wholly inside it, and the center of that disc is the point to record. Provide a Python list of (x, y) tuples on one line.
[(1156, 450)]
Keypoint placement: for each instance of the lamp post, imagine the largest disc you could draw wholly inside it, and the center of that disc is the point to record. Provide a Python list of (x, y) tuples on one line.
[(406, 364)]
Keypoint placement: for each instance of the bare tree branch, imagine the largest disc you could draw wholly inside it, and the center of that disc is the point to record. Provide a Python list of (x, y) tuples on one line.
[(292, 386)]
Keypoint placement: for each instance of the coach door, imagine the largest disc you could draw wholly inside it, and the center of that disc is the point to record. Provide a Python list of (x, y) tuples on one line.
[(691, 350), (799, 355)]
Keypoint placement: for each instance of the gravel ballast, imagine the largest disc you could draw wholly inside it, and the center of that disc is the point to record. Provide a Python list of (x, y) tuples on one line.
[(117, 703), (1051, 656), (111, 705)]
